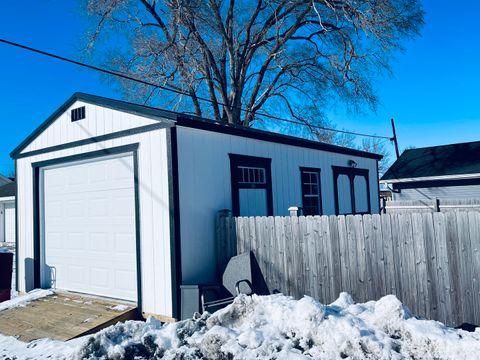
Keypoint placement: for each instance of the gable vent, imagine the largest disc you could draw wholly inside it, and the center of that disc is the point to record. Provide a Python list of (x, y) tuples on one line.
[(78, 113)]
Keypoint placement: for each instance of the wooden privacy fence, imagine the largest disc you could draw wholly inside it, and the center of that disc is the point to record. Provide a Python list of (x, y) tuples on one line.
[(430, 261)]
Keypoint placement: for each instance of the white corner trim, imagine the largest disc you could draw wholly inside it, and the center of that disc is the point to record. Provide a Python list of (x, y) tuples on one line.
[(432, 178)]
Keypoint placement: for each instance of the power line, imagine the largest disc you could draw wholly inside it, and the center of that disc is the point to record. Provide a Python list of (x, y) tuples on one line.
[(179, 92)]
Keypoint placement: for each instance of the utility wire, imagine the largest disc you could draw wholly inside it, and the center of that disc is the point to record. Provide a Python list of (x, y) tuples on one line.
[(179, 92)]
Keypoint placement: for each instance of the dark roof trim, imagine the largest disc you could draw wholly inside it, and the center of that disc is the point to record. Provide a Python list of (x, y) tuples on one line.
[(189, 121), (131, 108), (95, 139), (208, 125)]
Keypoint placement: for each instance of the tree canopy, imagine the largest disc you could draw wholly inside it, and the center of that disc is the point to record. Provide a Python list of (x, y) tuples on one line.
[(250, 57)]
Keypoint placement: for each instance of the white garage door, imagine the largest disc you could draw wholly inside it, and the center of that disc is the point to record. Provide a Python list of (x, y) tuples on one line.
[(89, 228)]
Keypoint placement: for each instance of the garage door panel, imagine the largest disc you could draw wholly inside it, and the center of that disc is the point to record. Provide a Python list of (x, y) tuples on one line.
[(90, 236)]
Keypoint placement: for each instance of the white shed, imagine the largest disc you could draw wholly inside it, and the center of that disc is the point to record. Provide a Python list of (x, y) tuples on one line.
[(119, 200), (7, 212)]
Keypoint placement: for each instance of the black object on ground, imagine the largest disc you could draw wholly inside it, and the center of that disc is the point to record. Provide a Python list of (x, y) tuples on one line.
[(242, 275), (467, 327), (6, 268)]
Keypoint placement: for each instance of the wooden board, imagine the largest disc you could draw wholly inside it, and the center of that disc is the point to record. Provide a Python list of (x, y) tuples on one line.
[(430, 261), (63, 316)]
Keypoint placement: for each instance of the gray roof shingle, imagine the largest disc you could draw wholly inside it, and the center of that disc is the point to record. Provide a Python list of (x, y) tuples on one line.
[(7, 190), (454, 159)]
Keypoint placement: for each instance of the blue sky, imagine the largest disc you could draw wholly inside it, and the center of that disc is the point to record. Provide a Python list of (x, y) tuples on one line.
[(433, 95)]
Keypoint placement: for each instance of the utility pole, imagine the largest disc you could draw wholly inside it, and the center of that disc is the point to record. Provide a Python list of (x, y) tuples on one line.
[(394, 139)]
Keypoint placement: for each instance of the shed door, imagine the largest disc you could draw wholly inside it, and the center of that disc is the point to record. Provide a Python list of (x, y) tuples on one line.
[(89, 228), (10, 222), (251, 186)]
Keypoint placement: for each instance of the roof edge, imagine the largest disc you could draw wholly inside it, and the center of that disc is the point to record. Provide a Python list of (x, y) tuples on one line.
[(28, 140), (94, 100), (215, 126), (188, 121)]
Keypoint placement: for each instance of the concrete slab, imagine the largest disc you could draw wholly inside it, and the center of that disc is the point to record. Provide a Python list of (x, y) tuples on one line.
[(64, 316)]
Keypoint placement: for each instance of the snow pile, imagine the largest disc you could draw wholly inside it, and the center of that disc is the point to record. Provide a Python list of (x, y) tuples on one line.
[(12, 349), (272, 327), (279, 327), (25, 299)]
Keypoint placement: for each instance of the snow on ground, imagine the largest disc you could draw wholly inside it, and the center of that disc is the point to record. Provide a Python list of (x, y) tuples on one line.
[(25, 299), (270, 327), (119, 308)]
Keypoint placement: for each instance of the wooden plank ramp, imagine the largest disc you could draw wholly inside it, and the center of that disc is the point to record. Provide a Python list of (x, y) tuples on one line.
[(64, 316)]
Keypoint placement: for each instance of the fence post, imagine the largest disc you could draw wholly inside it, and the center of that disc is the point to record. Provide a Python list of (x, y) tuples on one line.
[(225, 239), (295, 211), (437, 205)]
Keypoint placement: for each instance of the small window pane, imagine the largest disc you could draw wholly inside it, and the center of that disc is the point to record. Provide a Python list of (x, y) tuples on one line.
[(251, 175), (311, 192)]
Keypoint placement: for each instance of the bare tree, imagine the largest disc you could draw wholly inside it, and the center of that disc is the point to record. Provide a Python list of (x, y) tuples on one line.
[(377, 146), (247, 57)]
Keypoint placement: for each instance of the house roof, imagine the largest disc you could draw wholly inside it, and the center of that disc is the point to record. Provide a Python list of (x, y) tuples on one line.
[(454, 160), (188, 121), (8, 190)]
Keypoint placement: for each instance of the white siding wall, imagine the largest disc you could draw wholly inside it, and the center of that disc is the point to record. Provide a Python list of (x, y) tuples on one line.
[(10, 222), (98, 121), (7, 219), (442, 192), (204, 177), (154, 202)]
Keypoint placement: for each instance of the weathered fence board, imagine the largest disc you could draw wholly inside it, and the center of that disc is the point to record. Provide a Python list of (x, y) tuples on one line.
[(431, 261)]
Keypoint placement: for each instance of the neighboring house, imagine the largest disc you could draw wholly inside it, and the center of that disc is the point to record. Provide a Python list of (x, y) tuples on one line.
[(4, 180), (443, 172), (385, 192), (119, 200), (7, 212)]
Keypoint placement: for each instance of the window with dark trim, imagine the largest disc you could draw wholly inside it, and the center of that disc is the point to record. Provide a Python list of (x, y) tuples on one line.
[(351, 190), (311, 192), (251, 172)]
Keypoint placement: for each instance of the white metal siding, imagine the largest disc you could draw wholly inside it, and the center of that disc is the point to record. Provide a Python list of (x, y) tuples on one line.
[(443, 192), (205, 188), (98, 121), (154, 212), (10, 222)]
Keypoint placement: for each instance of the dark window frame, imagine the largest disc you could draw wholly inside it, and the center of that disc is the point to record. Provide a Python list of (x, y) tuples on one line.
[(237, 160), (318, 171), (351, 173)]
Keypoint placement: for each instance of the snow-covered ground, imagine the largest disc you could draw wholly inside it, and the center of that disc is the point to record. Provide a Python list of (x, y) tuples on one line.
[(270, 327), (24, 300)]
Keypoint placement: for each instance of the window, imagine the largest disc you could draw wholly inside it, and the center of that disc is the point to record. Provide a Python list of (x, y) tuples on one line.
[(251, 185), (251, 175), (311, 194), (352, 191), (78, 113)]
